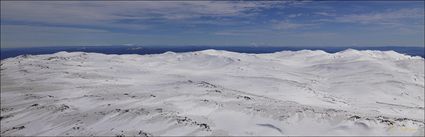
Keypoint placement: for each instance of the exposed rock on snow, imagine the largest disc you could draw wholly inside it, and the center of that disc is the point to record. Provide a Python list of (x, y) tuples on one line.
[(213, 92)]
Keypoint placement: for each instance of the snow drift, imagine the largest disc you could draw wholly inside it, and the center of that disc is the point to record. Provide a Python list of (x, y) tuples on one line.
[(213, 92)]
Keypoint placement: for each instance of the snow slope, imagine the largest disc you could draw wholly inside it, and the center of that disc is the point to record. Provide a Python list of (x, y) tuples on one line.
[(213, 92)]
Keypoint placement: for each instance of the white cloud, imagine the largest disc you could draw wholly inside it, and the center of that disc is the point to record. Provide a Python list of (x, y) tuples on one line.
[(109, 13), (324, 13), (295, 15), (230, 33), (31, 36), (242, 32), (287, 25), (318, 34), (44, 29), (388, 17)]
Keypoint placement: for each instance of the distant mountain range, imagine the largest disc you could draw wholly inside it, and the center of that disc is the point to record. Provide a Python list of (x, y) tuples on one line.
[(141, 50)]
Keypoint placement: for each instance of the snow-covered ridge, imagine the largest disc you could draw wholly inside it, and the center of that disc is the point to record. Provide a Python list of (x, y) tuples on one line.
[(347, 52), (213, 92)]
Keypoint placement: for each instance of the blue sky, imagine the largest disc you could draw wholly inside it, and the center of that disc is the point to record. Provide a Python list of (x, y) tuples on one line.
[(220, 23)]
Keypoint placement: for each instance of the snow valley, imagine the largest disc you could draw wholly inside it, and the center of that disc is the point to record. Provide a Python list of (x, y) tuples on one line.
[(213, 92)]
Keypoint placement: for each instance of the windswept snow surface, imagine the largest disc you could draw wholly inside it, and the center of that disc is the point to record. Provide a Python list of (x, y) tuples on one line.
[(213, 92)]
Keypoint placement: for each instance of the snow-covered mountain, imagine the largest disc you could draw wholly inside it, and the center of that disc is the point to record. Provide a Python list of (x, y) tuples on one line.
[(213, 92)]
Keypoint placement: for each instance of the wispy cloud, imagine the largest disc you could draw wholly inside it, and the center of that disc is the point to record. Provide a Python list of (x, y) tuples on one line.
[(209, 22), (111, 13), (242, 32), (287, 25), (24, 36), (385, 17), (322, 13), (295, 15)]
